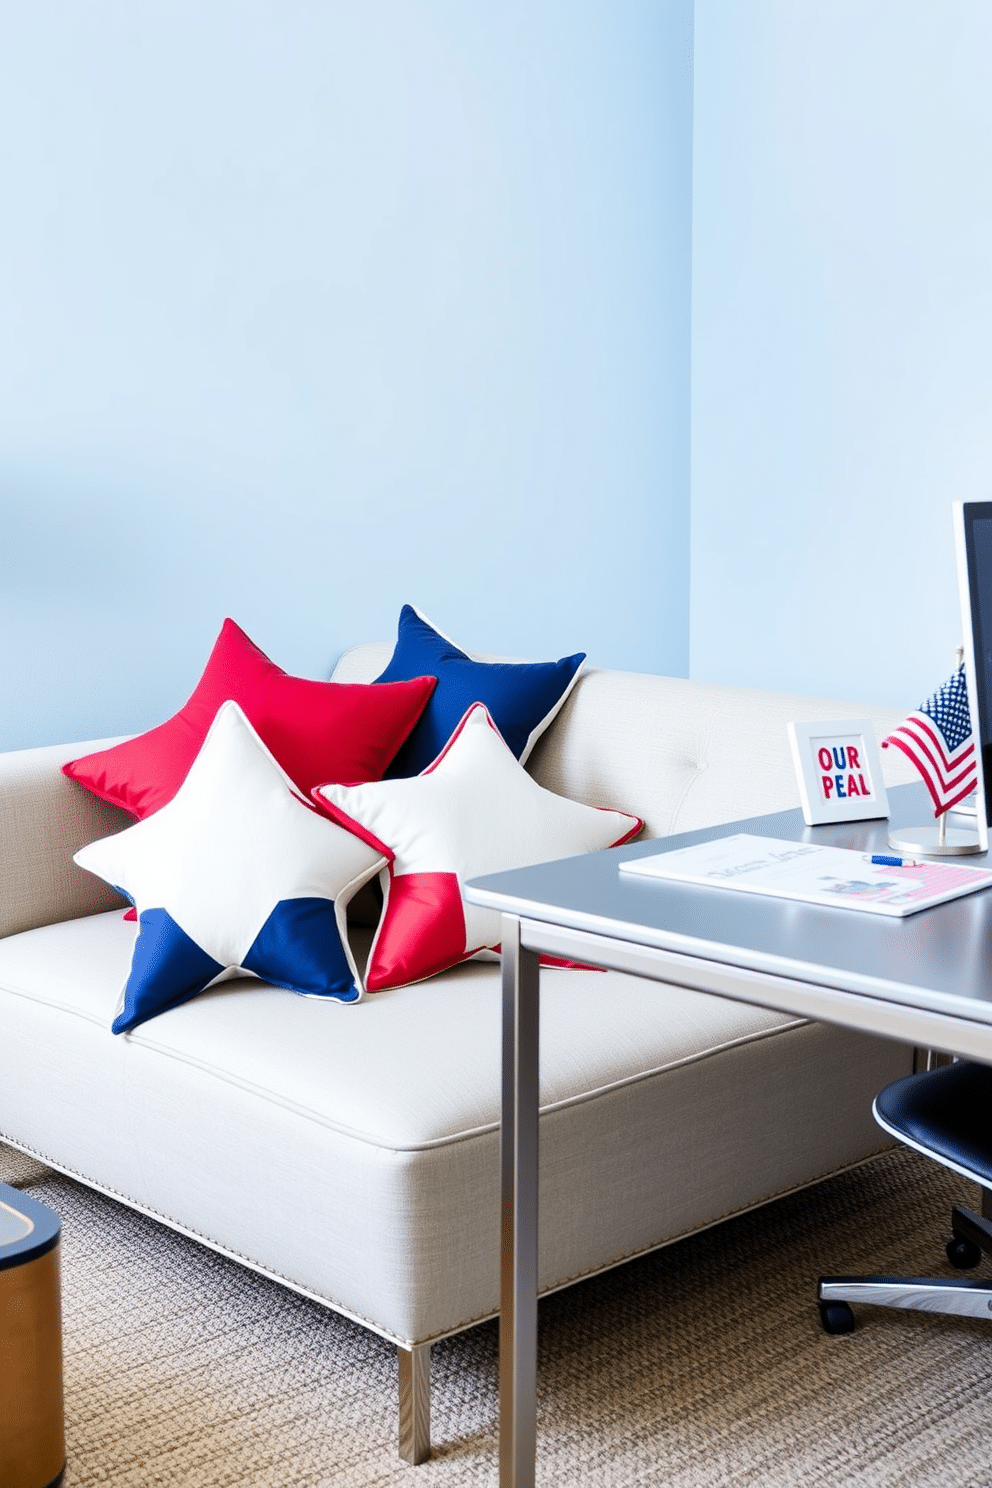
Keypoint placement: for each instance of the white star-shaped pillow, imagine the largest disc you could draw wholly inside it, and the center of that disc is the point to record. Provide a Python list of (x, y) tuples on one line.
[(475, 810), (238, 871)]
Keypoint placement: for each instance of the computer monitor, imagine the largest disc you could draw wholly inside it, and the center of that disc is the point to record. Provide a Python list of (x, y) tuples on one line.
[(973, 547)]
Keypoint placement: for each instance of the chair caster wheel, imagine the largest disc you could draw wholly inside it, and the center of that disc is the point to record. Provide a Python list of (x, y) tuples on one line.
[(836, 1317), (963, 1254)]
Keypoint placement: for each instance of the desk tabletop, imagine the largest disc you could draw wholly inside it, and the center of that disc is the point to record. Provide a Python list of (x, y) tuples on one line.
[(938, 959)]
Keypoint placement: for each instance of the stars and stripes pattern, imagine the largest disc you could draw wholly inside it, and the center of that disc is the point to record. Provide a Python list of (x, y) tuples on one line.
[(938, 740)]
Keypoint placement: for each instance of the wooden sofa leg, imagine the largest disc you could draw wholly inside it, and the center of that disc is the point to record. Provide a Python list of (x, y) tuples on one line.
[(415, 1402)]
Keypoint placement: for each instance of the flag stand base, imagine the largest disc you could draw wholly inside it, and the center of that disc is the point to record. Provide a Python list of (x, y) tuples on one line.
[(935, 842)]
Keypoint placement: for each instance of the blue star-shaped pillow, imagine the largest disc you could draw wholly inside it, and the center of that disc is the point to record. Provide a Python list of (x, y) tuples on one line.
[(236, 872), (523, 697)]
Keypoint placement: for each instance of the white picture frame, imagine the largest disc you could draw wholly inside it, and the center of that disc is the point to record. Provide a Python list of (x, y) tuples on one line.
[(852, 789)]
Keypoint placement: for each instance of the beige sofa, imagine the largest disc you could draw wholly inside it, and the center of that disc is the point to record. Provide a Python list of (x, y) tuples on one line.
[(351, 1152)]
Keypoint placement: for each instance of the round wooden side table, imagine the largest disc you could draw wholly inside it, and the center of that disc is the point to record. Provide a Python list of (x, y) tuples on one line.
[(32, 1433)]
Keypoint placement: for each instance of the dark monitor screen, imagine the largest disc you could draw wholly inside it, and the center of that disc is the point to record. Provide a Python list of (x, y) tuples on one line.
[(973, 540)]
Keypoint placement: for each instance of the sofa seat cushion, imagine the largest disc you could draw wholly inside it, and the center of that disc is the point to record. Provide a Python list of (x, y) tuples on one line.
[(353, 1150), (404, 1070)]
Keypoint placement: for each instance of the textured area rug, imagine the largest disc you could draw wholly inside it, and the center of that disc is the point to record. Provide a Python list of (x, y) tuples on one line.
[(702, 1366)]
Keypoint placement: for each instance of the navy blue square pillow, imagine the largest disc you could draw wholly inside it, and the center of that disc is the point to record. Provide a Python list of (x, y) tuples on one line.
[(522, 697)]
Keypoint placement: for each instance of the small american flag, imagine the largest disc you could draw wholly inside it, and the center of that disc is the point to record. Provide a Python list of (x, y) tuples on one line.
[(937, 738)]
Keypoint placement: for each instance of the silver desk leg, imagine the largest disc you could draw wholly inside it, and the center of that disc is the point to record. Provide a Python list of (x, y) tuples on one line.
[(518, 1228), (415, 1402)]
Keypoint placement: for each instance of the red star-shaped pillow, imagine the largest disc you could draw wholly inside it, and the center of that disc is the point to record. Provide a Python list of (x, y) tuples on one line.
[(317, 730)]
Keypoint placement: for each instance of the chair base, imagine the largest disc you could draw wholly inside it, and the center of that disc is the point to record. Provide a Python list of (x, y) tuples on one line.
[(922, 1293), (972, 1236)]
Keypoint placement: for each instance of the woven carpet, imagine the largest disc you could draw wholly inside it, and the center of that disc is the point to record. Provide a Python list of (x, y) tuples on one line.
[(699, 1366)]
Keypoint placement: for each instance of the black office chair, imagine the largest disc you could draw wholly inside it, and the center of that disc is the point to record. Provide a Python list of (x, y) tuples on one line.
[(946, 1114)]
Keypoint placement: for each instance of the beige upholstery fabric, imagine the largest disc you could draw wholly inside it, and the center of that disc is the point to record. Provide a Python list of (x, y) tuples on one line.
[(44, 818), (354, 1150)]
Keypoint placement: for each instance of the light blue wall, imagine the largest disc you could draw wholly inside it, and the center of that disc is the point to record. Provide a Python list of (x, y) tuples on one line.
[(309, 309), (842, 337)]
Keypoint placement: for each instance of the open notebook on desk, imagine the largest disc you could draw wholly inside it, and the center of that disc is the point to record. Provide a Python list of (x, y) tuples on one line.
[(815, 874)]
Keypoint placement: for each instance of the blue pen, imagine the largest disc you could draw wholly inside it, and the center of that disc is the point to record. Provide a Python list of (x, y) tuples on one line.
[(884, 861)]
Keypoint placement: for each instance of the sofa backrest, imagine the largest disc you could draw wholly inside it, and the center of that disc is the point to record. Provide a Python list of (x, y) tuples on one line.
[(44, 819), (680, 754)]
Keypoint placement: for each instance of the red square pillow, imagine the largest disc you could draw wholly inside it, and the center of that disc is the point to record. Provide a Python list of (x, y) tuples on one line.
[(346, 731)]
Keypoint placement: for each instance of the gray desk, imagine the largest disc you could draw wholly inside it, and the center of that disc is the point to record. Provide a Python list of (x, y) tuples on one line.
[(923, 980)]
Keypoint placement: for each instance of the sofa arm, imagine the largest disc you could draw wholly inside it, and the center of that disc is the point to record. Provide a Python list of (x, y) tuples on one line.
[(44, 818)]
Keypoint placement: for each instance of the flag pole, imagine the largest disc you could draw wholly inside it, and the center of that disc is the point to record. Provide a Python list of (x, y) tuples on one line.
[(942, 818)]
